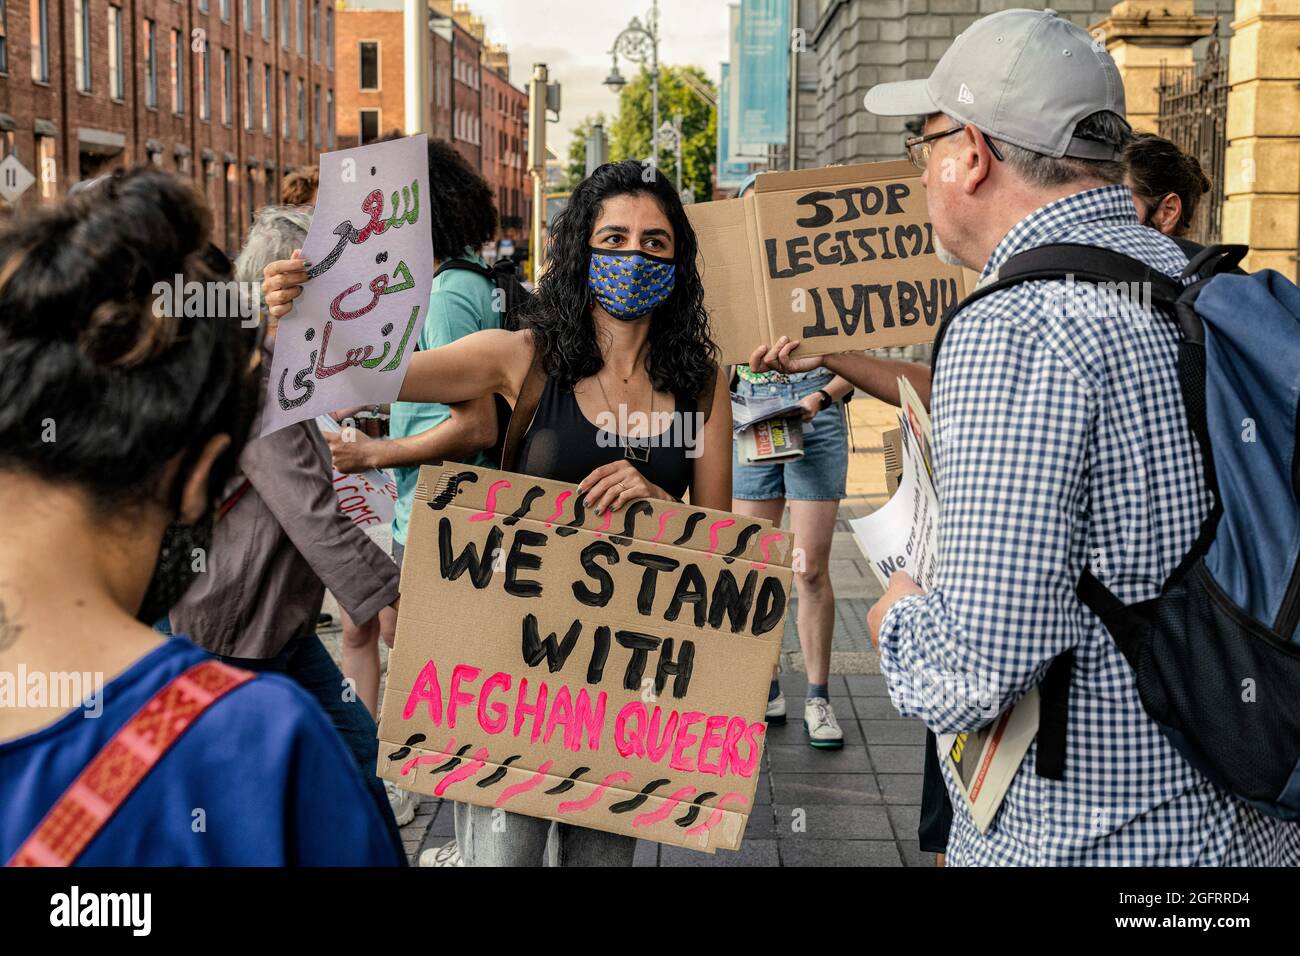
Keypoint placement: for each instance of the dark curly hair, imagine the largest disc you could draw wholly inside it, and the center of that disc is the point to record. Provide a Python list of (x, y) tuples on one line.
[(88, 346), (681, 356), (461, 210)]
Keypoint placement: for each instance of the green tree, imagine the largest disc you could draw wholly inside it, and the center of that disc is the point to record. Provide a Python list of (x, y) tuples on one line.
[(629, 136), (576, 166)]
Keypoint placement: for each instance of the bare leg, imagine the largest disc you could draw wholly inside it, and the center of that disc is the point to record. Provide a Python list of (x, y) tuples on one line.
[(813, 523), (772, 509), (361, 661)]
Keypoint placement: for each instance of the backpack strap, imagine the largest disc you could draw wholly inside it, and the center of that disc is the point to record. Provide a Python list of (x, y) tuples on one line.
[(105, 783), (1083, 263), (467, 266), (521, 416)]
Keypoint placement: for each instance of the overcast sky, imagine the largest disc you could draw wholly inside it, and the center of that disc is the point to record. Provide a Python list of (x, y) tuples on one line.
[(573, 37)]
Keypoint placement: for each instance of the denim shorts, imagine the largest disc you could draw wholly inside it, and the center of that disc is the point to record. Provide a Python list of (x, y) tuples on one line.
[(819, 475)]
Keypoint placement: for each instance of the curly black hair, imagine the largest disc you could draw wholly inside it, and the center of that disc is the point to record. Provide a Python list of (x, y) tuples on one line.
[(462, 213), (681, 356)]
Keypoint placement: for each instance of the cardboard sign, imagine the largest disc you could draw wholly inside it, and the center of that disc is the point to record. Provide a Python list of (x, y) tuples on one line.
[(608, 671), (841, 258), (353, 328)]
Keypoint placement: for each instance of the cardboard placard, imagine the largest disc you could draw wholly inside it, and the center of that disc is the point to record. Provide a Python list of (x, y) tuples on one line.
[(841, 258), (608, 671)]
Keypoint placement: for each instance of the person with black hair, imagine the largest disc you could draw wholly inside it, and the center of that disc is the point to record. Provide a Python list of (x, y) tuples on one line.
[(614, 343), (120, 422), (1167, 185)]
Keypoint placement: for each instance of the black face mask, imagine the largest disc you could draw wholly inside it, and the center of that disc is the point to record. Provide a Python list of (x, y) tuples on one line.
[(174, 572)]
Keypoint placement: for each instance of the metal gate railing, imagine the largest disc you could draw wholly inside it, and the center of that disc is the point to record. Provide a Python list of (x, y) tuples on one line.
[(1193, 113)]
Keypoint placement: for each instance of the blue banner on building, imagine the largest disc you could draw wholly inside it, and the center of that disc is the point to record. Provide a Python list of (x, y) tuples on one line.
[(763, 74), (730, 172)]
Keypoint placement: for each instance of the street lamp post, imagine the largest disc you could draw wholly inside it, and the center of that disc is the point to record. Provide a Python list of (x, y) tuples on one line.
[(640, 43)]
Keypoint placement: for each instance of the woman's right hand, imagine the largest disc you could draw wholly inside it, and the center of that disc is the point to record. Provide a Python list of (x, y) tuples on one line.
[(282, 282)]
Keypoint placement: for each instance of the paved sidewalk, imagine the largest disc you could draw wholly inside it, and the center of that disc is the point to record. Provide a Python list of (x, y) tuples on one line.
[(852, 807)]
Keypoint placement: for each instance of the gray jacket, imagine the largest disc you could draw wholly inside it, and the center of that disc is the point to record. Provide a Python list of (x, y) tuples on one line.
[(281, 544)]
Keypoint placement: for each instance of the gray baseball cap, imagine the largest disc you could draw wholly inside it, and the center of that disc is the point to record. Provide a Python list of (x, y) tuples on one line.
[(1023, 76)]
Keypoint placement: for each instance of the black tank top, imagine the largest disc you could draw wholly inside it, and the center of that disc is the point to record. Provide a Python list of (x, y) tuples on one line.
[(563, 445)]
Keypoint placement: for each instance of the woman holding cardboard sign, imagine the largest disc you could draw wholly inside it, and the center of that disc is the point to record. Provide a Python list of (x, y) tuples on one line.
[(614, 386)]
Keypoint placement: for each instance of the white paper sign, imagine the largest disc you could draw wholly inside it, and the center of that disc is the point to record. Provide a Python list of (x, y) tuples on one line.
[(903, 534), (353, 329), (366, 497)]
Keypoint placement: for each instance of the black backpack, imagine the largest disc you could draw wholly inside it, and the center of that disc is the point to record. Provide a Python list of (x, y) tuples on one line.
[(1208, 634), (504, 274)]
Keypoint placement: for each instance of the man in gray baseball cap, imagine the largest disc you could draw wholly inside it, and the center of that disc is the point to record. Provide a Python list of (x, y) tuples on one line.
[(1060, 444)]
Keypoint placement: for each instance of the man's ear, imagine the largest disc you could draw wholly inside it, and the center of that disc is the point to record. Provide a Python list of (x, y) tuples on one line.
[(194, 493), (977, 160), (1166, 215)]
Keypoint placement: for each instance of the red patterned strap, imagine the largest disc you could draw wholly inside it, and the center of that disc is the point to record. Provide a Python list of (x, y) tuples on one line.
[(114, 773)]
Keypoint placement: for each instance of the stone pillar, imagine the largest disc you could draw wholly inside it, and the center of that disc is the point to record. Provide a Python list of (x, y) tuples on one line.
[(1262, 168), (1140, 35)]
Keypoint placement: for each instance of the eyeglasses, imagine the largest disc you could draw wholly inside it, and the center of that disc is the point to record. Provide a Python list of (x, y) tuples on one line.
[(918, 147)]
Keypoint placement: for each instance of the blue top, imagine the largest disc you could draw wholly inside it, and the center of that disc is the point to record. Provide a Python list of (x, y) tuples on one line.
[(260, 779), (460, 303)]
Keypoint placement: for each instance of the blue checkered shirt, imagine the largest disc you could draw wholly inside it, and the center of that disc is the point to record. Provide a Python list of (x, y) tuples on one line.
[(1059, 441)]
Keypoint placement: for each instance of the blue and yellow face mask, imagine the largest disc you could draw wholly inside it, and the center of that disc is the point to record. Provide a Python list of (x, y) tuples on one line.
[(629, 283)]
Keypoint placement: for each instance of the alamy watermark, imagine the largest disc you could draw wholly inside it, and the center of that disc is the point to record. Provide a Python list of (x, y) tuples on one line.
[(225, 300), (638, 430), (65, 690)]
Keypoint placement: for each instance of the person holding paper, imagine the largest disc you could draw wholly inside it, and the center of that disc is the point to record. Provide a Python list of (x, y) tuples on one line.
[(616, 335), (280, 542), (187, 760), (1060, 444)]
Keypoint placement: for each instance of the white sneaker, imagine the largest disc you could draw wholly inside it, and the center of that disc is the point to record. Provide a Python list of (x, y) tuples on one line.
[(446, 855), (776, 709), (402, 801), (819, 721)]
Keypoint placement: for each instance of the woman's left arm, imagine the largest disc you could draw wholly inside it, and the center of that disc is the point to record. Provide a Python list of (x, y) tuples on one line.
[(711, 474)]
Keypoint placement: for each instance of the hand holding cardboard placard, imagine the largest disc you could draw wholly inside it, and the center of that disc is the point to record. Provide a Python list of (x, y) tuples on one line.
[(841, 258), (553, 663)]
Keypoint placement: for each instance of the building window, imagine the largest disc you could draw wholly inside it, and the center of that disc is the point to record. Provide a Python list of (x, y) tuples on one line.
[(4, 36), (248, 16), (150, 64), (266, 20), (48, 166), (315, 115), (302, 111), (329, 36), (178, 72), (300, 27), (116, 65), (369, 126), (40, 19), (284, 23), (268, 94), (81, 41), (369, 60), (205, 84), (203, 6), (315, 30), (329, 116), (227, 89), (285, 128), (250, 93), (225, 10)]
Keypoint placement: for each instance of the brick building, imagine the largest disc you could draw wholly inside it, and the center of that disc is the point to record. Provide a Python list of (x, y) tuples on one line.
[(230, 93), (469, 100), (505, 143)]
